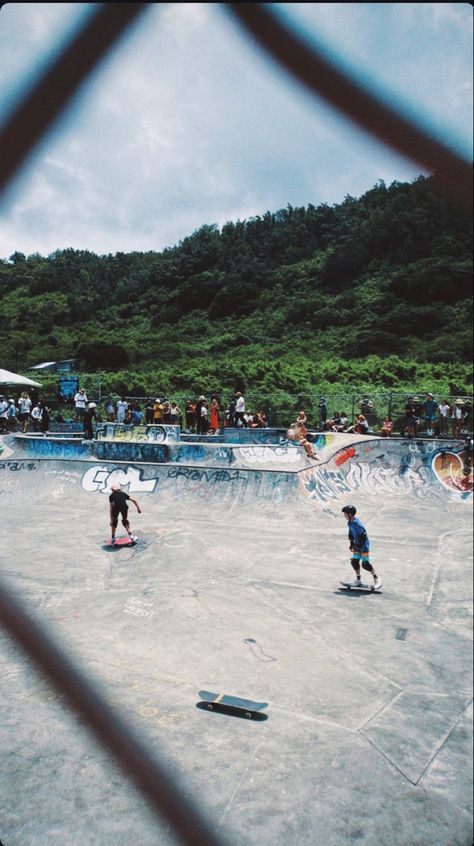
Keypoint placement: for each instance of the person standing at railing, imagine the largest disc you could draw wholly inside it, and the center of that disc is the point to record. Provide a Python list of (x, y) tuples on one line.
[(214, 417), (12, 415), (444, 413), (323, 413), (122, 408), (430, 408), (149, 411), (80, 403), (457, 419), (36, 414), (239, 409), (24, 410), (3, 414), (90, 414), (110, 410)]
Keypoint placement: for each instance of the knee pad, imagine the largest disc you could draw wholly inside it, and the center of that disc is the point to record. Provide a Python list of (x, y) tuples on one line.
[(367, 566), (355, 563)]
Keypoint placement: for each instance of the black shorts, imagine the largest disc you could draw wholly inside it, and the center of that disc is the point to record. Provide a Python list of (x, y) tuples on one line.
[(117, 511)]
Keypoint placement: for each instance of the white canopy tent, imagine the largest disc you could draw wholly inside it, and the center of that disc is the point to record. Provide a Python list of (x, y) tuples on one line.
[(8, 378)]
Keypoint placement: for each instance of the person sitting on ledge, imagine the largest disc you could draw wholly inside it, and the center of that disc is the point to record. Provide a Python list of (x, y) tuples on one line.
[(387, 427), (360, 425)]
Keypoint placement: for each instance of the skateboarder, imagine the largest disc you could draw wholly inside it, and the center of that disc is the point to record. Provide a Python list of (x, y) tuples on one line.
[(359, 546), (118, 505)]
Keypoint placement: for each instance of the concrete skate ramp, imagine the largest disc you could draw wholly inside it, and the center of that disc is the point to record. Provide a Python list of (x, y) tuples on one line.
[(233, 587)]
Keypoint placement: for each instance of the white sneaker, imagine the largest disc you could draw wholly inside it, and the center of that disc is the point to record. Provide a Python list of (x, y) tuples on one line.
[(356, 583), (133, 537), (377, 583)]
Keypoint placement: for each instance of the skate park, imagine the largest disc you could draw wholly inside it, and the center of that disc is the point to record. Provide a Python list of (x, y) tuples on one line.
[(234, 587)]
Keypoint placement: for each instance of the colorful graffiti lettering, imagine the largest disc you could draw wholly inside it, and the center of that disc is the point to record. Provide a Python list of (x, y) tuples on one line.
[(374, 480), (325, 485), (126, 451), (449, 468), (344, 456), (124, 432)]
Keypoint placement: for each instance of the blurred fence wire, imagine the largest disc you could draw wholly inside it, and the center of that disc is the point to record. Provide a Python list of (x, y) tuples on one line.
[(20, 134)]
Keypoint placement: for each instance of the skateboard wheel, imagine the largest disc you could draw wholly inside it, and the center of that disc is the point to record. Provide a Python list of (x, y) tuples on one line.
[(209, 707), (249, 716)]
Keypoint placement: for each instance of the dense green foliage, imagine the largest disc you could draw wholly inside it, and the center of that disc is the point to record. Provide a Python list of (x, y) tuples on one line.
[(372, 293)]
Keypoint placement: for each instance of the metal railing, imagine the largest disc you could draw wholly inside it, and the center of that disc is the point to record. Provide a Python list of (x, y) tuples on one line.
[(281, 411)]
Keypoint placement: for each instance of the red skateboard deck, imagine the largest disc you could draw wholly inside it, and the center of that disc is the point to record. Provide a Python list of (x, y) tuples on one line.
[(120, 542)]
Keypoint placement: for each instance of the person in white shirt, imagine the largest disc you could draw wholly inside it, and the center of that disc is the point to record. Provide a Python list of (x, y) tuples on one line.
[(36, 416), (122, 408), (80, 402), (3, 414), (24, 410), (444, 411), (239, 414), (457, 418)]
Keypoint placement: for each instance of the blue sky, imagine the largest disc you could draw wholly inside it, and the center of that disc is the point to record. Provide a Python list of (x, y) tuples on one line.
[(186, 123)]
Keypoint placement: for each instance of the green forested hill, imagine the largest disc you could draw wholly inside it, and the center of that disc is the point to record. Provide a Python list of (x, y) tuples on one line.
[(375, 291)]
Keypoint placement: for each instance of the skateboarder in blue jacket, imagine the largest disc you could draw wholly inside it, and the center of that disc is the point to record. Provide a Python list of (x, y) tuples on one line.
[(359, 546)]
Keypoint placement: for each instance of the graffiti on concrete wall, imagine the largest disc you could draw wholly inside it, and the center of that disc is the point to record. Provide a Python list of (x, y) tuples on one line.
[(454, 471), (344, 455), (390, 468), (219, 483), (18, 466), (127, 451), (323, 485), (203, 453), (101, 479), (155, 433), (271, 454), (54, 447)]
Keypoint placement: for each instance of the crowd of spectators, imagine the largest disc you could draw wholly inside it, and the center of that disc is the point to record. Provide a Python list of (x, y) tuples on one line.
[(209, 416), (203, 416), (433, 418), (20, 412)]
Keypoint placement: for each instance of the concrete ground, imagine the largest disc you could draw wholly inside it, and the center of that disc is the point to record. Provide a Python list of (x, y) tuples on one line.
[(369, 732)]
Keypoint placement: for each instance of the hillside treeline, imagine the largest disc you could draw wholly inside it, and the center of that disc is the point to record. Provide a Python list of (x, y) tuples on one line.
[(375, 290)]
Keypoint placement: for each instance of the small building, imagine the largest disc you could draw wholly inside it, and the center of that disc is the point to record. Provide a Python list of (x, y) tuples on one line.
[(67, 365)]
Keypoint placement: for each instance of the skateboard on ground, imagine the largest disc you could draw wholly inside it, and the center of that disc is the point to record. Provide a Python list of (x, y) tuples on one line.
[(121, 542), (233, 704), (363, 588)]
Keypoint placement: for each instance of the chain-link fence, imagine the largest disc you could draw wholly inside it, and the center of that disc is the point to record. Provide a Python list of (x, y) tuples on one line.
[(282, 408)]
